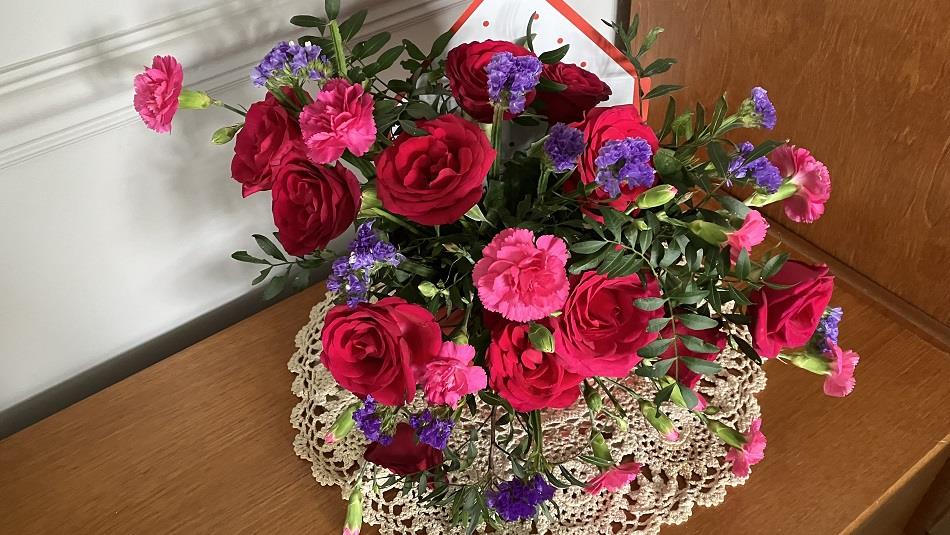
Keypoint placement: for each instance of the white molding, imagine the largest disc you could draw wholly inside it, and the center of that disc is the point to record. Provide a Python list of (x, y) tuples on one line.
[(56, 99)]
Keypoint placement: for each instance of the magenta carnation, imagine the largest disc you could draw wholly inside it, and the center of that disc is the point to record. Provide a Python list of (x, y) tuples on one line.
[(614, 479), (340, 119), (751, 233), (520, 279), (810, 176), (751, 453), (451, 375), (840, 380), (156, 93)]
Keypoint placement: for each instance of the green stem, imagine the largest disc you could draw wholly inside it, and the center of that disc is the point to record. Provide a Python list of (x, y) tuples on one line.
[(238, 111), (498, 119), (543, 183), (339, 53)]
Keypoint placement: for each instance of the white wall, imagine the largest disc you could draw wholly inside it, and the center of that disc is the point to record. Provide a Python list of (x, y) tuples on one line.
[(113, 235)]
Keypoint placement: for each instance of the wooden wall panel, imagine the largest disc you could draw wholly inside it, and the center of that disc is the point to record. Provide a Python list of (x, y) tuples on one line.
[(865, 84)]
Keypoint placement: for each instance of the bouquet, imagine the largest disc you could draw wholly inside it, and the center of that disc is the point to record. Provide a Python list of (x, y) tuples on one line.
[(514, 282)]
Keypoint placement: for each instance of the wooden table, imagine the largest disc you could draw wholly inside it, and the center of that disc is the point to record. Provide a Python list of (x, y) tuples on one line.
[(201, 443)]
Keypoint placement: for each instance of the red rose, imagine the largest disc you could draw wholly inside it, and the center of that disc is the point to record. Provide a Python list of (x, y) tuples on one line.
[(584, 91), (527, 378), (679, 371), (606, 124), (788, 318), (269, 138), (465, 69), (435, 179), (313, 204), (405, 455), (601, 329), (371, 349)]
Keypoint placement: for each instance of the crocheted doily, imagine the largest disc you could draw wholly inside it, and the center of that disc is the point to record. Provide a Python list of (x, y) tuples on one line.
[(676, 475)]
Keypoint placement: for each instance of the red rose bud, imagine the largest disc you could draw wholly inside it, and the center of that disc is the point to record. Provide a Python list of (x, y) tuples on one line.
[(659, 421), (656, 196), (727, 434), (583, 92), (709, 232), (342, 426), (354, 513)]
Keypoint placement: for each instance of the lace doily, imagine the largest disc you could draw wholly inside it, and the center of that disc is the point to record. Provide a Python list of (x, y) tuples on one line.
[(676, 476)]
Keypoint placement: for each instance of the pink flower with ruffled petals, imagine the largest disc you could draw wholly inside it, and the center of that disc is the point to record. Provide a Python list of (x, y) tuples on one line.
[(840, 381), (614, 479), (522, 280), (156, 93), (340, 118), (450, 375), (751, 453), (751, 233), (811, 177)]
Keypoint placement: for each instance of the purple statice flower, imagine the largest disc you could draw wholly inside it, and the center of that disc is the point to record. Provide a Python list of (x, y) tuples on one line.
[(828, 329), (563, 146), (352, 275), (511, 78), (370, 423), (431, 430), (761, 170), (519, 500), (290, 62), (624, 162), (764, 107)]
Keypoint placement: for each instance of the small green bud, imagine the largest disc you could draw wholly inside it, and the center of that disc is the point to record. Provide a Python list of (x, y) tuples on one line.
[(785, 191), (656, 196), (189, 99), (342, 426), (225, 134), (595, 402), (659, 421), (354, 513), (369, 198), (814, 363), (709, 232), (541, 338), (428, 290), (600, 448), (727, 434)]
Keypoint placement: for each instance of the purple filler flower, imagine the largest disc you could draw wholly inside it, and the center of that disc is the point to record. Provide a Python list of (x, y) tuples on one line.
[(370, 423), (512, 77), (292, 61), (519, 500), (352, 275), (828, 329), (431, 430), (764, 107), (563, 146), (761, 170), (624, 162)]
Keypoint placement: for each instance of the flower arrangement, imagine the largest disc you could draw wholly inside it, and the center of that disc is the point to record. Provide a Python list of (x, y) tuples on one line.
[(522, 280)]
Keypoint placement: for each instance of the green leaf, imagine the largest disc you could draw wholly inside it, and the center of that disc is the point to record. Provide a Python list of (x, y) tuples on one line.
[(541, 338), (414, 51), (420, 110), (352, 25), (682, 126), (657, 324), (309, 21), (588, 247), (628, 265), (668, 119), (746, 348), (773, 265), (550, 86), (649, 40), (718, 158), (588, 263), (388, 58), (661, 90), (268, 247), (649, 303), (687, 395), (700, 366), (697, 345), (697, 322), (734, 205), (244, 256), (410, 128), (614, 221), (554, 56), (438, 46), (655, 348), (374, 44), (659, 369), (263, 275), (743, 264), (332, 8), (275, 287), (763, 149), (475, 214), (659, 66)]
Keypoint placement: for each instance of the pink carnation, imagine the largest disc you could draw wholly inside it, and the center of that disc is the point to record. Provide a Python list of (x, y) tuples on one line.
[(751, 453), (812, 179), (156, 93), (614, 479), (450, 375), (520, 280), (840, 381), (351, 531), (341, 118), (751, 233)]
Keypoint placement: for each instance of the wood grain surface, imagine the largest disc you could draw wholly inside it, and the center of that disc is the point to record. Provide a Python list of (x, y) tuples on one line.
[(866, 86), (201, 443)]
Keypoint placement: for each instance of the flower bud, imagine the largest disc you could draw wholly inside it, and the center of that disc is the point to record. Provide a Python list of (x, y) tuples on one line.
[(814, 363), (656, 196), (709, 232), (600, 448), (342, 426), (541, 338), (369, 200), (189, 99), (659, 421), (727, 434), (225, 134), (784, 191), (593, 398), (354, 513)]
